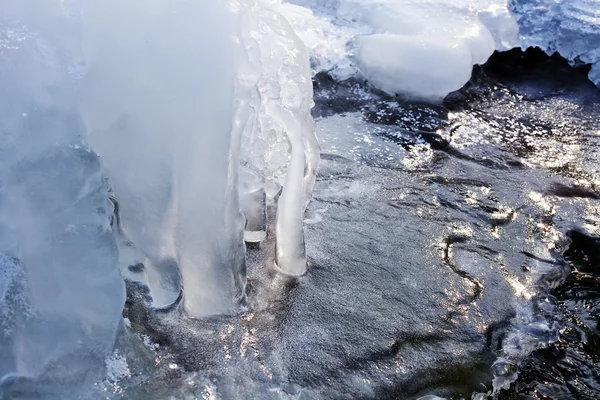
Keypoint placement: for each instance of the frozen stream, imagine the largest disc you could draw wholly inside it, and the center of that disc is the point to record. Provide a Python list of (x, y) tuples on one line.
[(434, 239), (446, 246)]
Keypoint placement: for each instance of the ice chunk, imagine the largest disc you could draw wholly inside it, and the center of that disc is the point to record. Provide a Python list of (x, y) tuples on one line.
[(56, 215), (448, 67), (61, 294), (420, 49)]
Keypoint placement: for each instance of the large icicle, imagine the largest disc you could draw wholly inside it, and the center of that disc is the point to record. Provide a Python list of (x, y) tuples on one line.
[(158, 100)]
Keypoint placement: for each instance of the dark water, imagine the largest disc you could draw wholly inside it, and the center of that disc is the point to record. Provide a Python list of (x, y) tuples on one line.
[(569, 367), (453, 249), (525, 133)]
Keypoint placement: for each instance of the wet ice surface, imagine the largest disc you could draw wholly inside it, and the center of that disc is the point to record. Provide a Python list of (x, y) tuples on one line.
[(435, 241)]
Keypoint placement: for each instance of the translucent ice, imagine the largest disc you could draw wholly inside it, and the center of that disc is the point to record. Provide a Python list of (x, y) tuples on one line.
[(165, 102), (158, 100), (253, 201), (279, 134), (61, 294)]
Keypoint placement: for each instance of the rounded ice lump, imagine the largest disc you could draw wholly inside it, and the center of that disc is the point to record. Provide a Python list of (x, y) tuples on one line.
[(425, 49)]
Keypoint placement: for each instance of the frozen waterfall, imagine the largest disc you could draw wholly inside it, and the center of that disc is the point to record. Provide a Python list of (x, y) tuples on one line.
[(124, 127)]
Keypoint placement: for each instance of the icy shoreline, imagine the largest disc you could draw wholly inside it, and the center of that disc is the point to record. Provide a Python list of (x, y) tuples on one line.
[(424, 50)]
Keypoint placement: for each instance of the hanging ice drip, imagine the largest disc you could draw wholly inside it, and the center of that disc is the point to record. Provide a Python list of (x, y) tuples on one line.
[(279, 145)]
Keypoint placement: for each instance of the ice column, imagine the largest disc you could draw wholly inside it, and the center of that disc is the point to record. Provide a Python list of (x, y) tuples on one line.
[(159, 102)]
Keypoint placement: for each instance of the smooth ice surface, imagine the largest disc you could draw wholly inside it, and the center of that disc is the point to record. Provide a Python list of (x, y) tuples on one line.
[(420, 49), (158, 99), (61, 294)]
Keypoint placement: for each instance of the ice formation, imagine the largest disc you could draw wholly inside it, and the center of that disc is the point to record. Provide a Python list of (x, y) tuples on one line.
[(61, 294), (171, 142), (164, 103), (419, 49), (151, 135), (158, 100), (425, 49), (569, 27), (280, 86)]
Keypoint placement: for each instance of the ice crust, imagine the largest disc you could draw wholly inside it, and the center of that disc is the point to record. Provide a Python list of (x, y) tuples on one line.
[(419, 49), (569, 27)]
